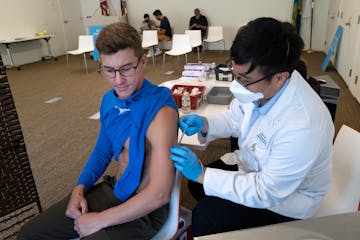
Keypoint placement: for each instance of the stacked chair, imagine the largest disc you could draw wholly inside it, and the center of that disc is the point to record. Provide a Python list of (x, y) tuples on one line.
[(19, 200)]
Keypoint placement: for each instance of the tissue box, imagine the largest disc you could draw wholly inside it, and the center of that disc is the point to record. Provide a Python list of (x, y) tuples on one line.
[(219, 95), (195, 100)]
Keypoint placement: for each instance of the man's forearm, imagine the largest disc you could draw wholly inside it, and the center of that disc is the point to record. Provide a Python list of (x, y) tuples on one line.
[(79, 189), (161, 31), (136, 207)]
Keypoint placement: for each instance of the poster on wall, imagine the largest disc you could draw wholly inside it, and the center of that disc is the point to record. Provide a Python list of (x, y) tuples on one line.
[(94, 31), (332, 48), (124, 11), (105, 11)]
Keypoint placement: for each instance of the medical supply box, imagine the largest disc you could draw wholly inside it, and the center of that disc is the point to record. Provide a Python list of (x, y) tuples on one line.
[(196, 96)]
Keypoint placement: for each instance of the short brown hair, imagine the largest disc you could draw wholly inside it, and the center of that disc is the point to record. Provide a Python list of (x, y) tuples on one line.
[(119, 36)]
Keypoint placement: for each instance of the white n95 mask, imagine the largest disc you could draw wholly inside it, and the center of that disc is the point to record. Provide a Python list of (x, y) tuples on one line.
[(243, 94)]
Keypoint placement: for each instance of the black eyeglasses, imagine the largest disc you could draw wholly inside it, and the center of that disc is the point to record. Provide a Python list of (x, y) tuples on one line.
[(240, 80), (243, 80), (125, 71)]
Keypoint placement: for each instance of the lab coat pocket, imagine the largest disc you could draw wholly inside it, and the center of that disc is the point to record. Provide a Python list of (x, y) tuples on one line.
[(258, 153)]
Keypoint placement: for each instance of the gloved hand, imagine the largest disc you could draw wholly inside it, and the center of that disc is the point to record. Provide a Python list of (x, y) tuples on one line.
[(186, 162), (191, 124)]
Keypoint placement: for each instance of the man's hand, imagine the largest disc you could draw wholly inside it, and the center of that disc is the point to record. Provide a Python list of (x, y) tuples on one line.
[(191, 124), (186, 162), (87, 224), (77, 204)]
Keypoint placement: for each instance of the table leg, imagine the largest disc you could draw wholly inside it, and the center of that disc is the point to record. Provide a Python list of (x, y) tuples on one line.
[(10, 57), (50, 56)]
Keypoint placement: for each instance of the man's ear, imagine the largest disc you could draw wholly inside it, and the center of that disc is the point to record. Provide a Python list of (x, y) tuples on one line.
[(280, 78), (144, 60)]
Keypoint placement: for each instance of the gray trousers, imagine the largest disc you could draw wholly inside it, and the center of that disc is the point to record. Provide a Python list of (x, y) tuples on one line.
[(53, 224)]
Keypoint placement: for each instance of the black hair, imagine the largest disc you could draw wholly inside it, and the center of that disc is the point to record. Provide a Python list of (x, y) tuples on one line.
[(157, 12), (146, 15), (301, 67), (269, 44)]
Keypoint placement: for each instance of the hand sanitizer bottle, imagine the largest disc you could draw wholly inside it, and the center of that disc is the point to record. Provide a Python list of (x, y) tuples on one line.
[(212, 75), (185, 102)]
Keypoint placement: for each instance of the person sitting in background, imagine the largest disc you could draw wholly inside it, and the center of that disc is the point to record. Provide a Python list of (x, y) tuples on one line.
[(164, 30), (199, 22), (138, 125), (147, 24), (282, 169)]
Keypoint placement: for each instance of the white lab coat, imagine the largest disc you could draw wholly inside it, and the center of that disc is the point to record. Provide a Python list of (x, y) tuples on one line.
[(285, 159)]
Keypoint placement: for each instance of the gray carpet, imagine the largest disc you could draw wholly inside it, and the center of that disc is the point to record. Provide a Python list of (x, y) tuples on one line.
[(59, 136)]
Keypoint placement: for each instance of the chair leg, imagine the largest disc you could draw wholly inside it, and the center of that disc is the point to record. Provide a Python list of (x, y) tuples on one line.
[(198, 53), (153, 53), (224, 43), (185, 58), (85, 63), (164, 61)]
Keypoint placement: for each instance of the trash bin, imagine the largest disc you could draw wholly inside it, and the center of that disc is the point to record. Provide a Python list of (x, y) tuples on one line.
[(329, 93)]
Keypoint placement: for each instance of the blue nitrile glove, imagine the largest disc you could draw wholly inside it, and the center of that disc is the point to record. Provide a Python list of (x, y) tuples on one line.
[(191, 124), (186, 162)]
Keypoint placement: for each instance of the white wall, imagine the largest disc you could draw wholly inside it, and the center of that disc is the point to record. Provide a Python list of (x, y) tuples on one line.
[(36, 15), (91, 8), (21, 18), (231, 14)]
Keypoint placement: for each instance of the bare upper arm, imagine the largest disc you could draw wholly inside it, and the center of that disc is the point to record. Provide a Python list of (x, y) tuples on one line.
[(162, 134)]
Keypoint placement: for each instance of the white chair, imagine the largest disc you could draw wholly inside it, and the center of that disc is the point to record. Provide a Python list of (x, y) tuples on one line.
[(195, 39), (344, 194), (214, 34), (86, 44), (149, 40), (170, 227), (181, 45)]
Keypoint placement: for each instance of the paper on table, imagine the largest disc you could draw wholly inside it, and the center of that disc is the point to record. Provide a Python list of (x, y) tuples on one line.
[(52, 100)]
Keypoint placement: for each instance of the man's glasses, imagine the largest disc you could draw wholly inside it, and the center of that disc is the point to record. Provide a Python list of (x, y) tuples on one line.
[(125, 71), (244, 80)]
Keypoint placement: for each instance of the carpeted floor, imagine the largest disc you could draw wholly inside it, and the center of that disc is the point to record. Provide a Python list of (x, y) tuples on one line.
[(59, 136)]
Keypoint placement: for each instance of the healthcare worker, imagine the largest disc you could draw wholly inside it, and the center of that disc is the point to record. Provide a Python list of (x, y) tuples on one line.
[(281, 171)]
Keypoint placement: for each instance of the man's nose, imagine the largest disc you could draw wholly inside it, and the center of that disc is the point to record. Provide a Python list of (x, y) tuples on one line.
[(118, 77)]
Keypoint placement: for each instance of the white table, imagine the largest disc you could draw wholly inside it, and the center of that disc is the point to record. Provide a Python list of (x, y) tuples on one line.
[(8, 42), (336, 227), (205, 108)]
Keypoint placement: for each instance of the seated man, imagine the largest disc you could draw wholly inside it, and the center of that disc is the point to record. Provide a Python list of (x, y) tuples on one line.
[(147, 24), (164, 30), (199, 22), (138, 126)]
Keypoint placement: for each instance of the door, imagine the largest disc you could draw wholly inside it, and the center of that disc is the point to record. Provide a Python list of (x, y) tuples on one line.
[(72, 22), (333, 22), (354, 84), (346, 57)]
